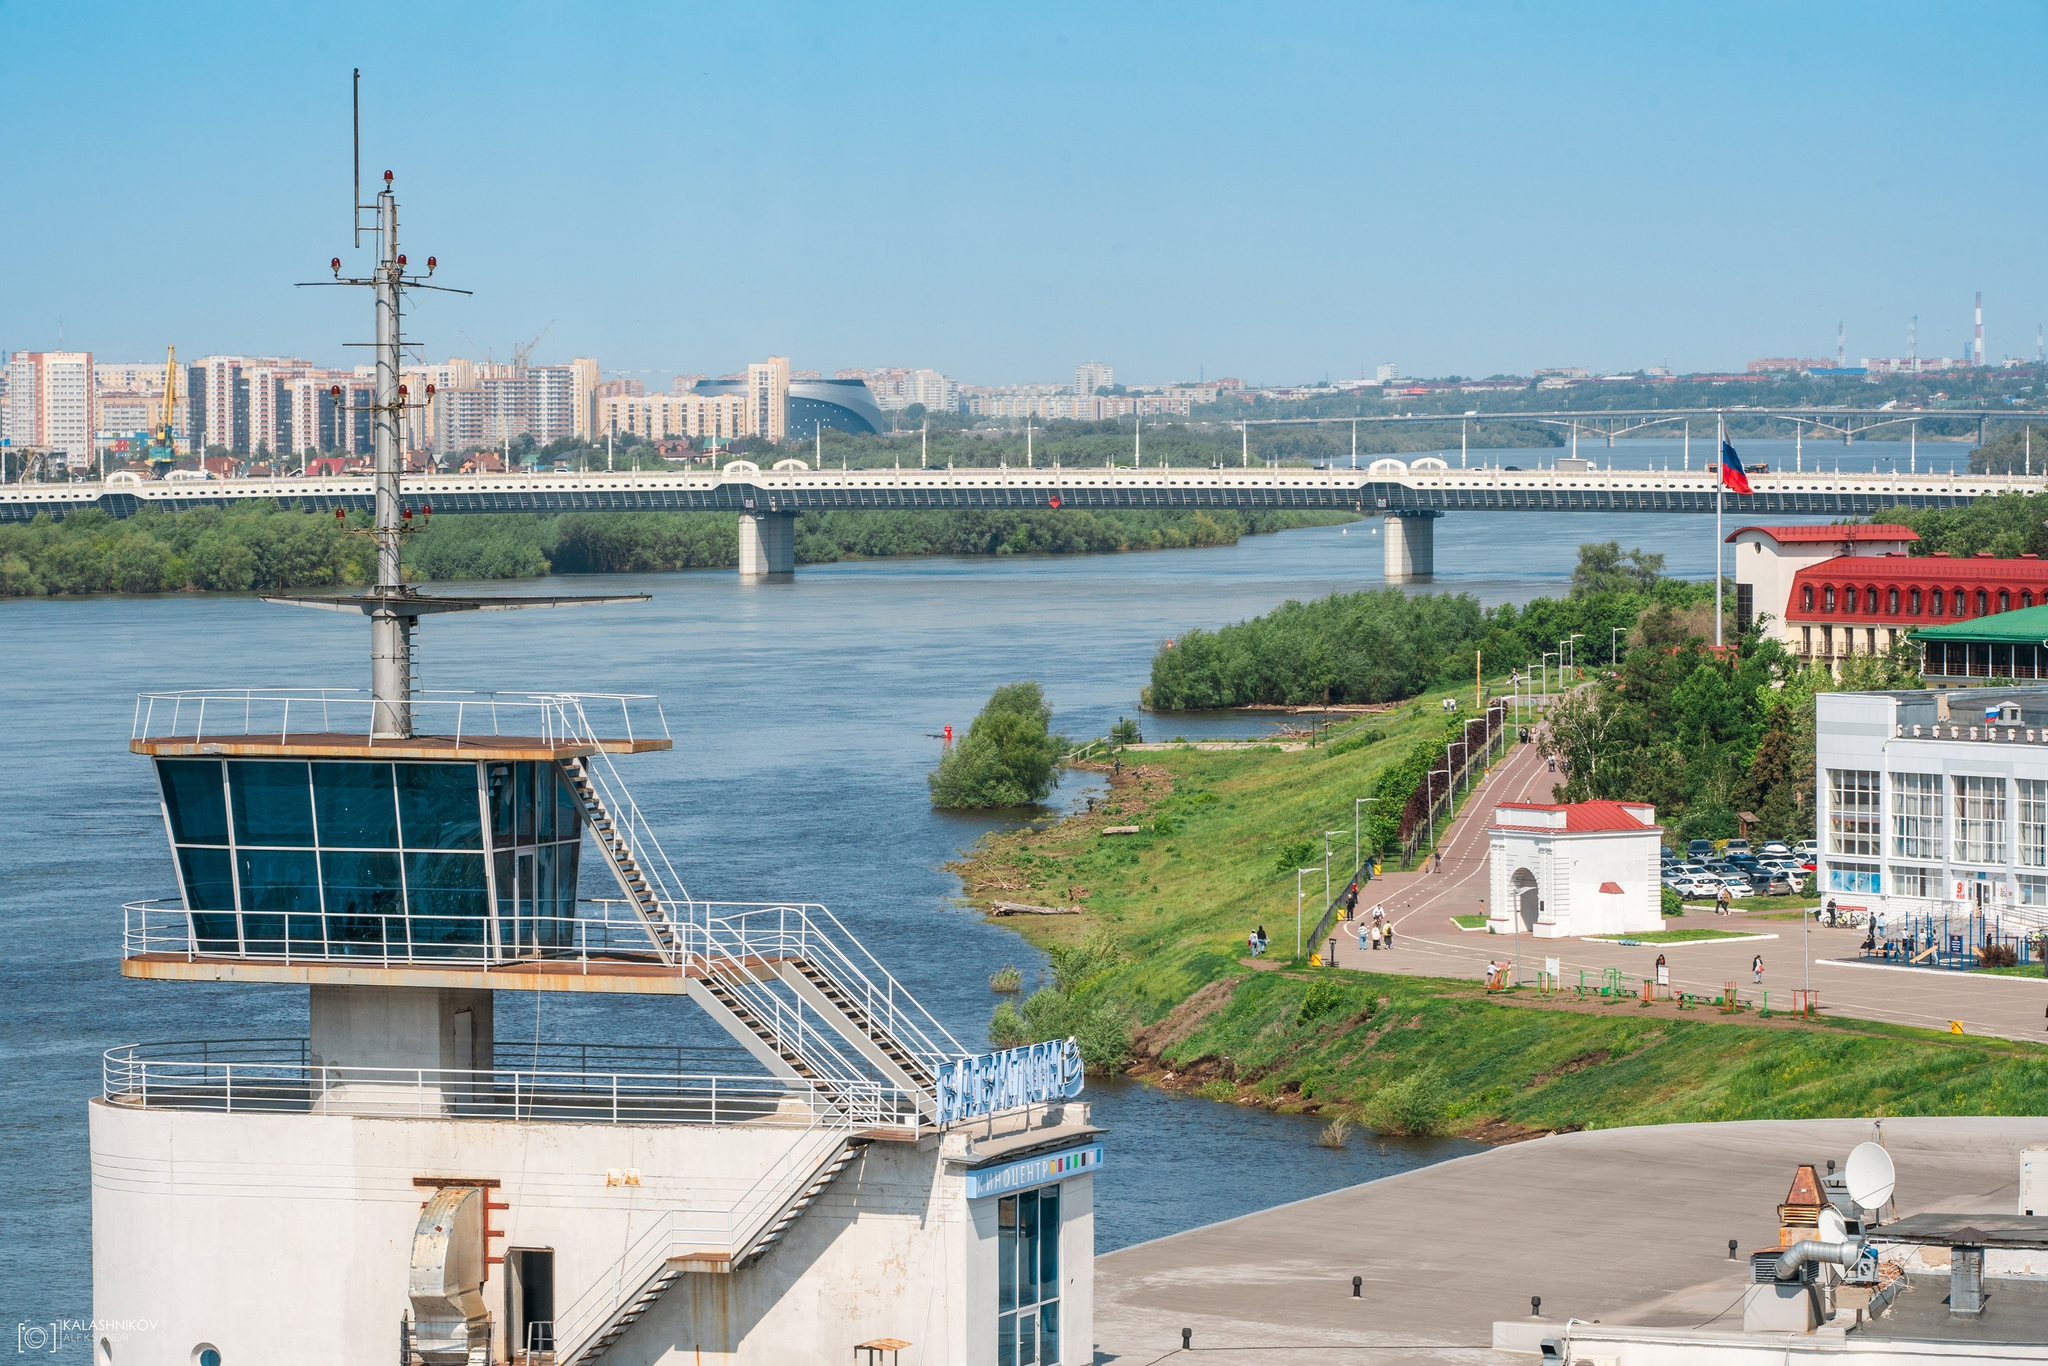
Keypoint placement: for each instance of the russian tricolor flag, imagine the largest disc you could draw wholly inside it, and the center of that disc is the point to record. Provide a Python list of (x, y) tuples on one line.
[(1732, 473)]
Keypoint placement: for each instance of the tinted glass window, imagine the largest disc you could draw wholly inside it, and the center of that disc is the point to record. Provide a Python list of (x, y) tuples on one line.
[(361, 882), (209, 880), (273, 802), (437, 806), (197, 802), (279, 880), (355, 805)]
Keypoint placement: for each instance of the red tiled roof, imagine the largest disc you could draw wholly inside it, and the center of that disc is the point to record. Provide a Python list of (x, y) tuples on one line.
[(1788, 535), (1883, 573), (1579, 817)]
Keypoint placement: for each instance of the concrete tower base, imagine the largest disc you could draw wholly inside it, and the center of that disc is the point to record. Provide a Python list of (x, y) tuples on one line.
[(1411, 545), (767, 544)]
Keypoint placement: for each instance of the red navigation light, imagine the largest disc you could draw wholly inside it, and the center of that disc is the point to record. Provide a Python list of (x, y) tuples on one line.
[(430, 263), (401, 258), (340, 516), (428, 509), (401, 391), (387, 177), (334, 392), (430, 391), (407, 514), (336, 264)]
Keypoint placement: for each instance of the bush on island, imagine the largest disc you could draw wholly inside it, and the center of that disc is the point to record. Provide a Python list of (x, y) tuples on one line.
[(1008, 757)]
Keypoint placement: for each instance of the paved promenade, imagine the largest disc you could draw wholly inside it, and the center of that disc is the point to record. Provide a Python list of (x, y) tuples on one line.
[(1422, 903), (1623, 1225)]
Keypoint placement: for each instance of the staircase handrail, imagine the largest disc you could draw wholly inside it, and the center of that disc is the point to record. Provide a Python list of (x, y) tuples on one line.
[(811, 931), (586, 1317), (632, 824), (716, 952)]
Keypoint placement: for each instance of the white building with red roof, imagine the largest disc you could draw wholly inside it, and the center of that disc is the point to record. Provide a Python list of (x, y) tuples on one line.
[(1576, 868), (1768, 558)]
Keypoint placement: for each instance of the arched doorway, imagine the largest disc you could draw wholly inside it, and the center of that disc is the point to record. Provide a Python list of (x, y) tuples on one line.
[(1522, 887)]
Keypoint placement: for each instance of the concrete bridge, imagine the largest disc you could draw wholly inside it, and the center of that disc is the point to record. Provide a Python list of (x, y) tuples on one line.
[(1409, 495)]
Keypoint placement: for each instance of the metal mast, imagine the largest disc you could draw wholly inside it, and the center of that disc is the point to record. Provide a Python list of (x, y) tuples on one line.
[(390, 633), (393, 608)]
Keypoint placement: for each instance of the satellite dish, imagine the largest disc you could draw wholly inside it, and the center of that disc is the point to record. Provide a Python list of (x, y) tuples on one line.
[(1870, 1176), (1833, 1227)]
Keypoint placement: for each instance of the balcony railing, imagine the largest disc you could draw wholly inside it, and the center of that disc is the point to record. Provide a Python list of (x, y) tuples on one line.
[(554, 718), (278, 1076)]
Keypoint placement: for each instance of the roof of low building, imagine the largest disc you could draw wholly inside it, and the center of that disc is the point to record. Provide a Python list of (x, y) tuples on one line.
[(2021, 626), (1789, 535), (1580, 817)]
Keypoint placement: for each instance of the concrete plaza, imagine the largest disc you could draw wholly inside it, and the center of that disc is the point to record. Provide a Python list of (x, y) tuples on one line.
[(1421, 905), (1621, 1225)]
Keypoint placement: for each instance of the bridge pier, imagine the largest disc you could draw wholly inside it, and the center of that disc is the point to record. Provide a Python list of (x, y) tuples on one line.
[(1411, 545), (767, 544)]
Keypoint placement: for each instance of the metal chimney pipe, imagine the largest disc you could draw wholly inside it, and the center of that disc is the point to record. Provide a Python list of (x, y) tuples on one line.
[(1845, 1253)]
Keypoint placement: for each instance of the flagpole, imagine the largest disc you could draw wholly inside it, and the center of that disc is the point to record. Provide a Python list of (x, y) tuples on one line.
[(1720, 479)]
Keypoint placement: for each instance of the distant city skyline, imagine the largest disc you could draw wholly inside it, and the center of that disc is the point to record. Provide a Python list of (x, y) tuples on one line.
[(1221, 192)]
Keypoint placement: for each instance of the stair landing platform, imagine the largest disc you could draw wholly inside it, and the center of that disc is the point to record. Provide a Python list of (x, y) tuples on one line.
[(625, 977)]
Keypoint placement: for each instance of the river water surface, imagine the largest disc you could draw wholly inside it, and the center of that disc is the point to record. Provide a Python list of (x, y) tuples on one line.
[(803, 715)]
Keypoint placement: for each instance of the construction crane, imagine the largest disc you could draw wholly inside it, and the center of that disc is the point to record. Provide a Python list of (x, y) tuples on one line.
[(163, 454)]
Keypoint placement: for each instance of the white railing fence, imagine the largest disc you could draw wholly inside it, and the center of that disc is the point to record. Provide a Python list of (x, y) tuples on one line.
[(553, 718), (277, 1076)]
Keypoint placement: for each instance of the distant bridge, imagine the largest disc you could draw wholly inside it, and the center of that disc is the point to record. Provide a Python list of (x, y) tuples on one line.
[(1410, 495)]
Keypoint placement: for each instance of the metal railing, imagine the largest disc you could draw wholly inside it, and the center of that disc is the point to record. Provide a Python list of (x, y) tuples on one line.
[(553, 718), (165, 928), (677, 1233), (278, 1076)]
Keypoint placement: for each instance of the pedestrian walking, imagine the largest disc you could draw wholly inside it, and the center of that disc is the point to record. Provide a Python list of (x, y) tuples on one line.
[(1375, 934), (1387, 936), (1438, 855), (1756, 970)]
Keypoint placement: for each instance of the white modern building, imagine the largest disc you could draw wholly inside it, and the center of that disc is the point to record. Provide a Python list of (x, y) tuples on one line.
[(1935, 802), (1573, 869), (1767, 558), (50, 403)]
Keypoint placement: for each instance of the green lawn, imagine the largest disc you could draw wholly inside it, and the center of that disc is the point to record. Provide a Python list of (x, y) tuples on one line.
[(1172, 904), (2016, 970), (1676, 936), (1469, 922)]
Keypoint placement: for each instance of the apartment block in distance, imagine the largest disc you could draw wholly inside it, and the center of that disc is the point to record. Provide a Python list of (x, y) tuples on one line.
[(50, 403)]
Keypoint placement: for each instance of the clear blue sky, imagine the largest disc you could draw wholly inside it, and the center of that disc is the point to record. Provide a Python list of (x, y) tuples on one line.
[(1001, 192)]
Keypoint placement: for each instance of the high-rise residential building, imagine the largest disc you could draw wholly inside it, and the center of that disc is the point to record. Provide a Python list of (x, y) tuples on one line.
[(50, 403), (1092, 375), (768, 397), (586, 379), (1385, 374), (223, 393), (662, 417), (895, 389)]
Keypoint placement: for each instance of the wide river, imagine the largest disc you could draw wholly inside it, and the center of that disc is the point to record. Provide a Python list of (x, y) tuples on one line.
[(803, 715)]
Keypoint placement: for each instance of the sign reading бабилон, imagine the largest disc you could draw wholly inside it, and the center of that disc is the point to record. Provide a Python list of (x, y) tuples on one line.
[(1033, 1171), (1015, 1077)]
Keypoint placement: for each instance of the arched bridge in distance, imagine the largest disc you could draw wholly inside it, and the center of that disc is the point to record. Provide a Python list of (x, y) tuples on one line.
[(1409, 495)]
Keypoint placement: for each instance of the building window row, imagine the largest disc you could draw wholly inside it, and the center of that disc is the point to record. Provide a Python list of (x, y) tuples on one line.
[(1911, 602)]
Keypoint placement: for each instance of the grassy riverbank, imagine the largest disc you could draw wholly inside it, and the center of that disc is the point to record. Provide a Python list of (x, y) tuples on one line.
[(264, 546), (1160, 949)]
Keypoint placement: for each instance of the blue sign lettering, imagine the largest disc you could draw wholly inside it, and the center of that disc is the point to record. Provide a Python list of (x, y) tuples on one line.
[(1033, 1171), (991, 1082)]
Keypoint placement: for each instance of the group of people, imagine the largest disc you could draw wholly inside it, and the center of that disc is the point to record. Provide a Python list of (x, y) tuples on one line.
[(1377, 932), (1256, 941)]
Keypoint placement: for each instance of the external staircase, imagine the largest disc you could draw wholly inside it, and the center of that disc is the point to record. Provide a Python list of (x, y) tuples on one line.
[(625, 1295), (620, 854)]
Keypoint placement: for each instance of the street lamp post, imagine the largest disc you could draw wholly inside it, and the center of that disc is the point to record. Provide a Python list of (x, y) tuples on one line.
[(1614, 645), (1549, 655), (1429, 801), (1357, 859), (1327, 898), (1298, 894), (1475, 721)]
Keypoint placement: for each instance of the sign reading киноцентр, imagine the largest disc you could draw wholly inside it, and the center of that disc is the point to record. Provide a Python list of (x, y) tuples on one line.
[(992, 1082), (1033, 1171)]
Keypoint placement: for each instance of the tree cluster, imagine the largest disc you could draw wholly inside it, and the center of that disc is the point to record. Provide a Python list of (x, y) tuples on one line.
[(1009, 756)]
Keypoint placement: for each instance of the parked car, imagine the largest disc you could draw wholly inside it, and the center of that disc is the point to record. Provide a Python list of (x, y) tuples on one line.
[(1807, 849), (1699, 888), (1738, 887), (1733, 847), (1776, 849), (1699, 849), (1780, 884)]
